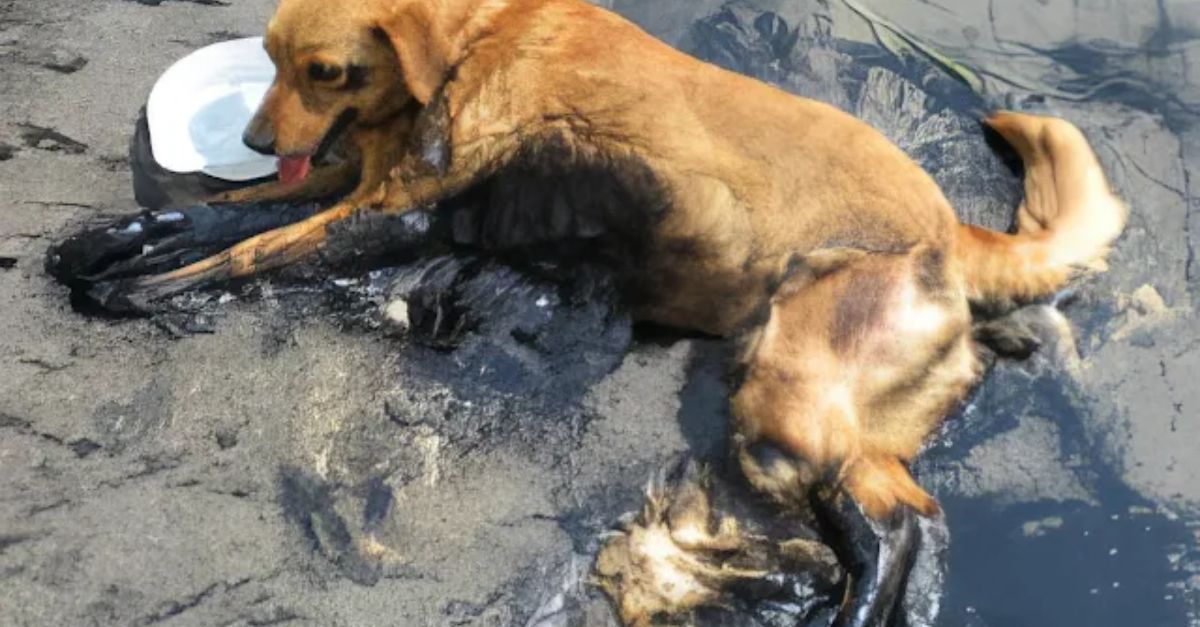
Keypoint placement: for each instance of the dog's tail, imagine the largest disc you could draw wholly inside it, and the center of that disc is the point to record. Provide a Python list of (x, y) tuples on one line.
[(1066, 223)]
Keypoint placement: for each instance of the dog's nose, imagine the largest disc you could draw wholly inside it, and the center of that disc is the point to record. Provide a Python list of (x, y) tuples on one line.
[(260, 139)]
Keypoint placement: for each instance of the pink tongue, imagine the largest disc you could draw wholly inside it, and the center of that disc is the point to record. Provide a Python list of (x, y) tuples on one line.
[(294, 169)]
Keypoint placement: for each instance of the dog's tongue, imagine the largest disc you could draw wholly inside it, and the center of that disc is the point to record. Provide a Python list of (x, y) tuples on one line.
[(294, 169)]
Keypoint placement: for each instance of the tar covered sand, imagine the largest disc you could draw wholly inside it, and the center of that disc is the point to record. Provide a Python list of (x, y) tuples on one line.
[(326, 447)]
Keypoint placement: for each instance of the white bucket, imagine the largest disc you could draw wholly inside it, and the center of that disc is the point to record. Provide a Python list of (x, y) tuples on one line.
[(199, 107)]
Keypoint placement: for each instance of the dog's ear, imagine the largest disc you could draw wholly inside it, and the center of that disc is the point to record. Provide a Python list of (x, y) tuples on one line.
[(422, 49)]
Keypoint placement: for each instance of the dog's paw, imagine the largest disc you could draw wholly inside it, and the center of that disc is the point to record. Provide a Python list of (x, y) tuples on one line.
[(679, 555), (1008, 337), (105, 264)]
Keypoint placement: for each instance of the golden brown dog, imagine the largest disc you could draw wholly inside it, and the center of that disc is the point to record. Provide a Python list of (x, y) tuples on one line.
[(716, 196)]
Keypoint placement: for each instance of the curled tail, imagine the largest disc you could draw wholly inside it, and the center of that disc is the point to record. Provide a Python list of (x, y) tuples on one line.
[(1067, 221)]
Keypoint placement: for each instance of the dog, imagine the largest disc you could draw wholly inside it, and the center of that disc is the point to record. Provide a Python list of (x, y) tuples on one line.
[(724, 205)]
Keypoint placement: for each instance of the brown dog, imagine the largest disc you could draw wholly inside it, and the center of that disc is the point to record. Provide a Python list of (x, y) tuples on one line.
[(717, 196)]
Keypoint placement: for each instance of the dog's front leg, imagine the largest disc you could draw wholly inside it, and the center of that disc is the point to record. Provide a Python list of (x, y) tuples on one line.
[(410, 185), (271, 249)]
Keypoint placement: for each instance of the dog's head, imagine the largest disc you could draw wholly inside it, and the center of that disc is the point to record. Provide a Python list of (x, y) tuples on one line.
[(341, 65)]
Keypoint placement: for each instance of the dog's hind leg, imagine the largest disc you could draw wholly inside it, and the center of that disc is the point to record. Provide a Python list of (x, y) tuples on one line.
[(877, 552), (857, 363)]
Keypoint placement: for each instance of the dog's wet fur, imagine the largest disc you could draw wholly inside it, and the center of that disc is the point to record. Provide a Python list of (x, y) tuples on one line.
[(718, 204)]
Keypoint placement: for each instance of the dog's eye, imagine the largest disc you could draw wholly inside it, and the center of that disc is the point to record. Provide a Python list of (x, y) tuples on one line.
[(323, 73)]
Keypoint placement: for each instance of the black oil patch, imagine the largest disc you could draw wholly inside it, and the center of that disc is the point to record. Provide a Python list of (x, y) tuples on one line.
[(878, 554), (47, 57), (1110, 562), (378, 505), (50, 140), (84, 447), (511, 329), (96, 262), (123, 426), (553, 203), (308, 504), (207, 3)]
